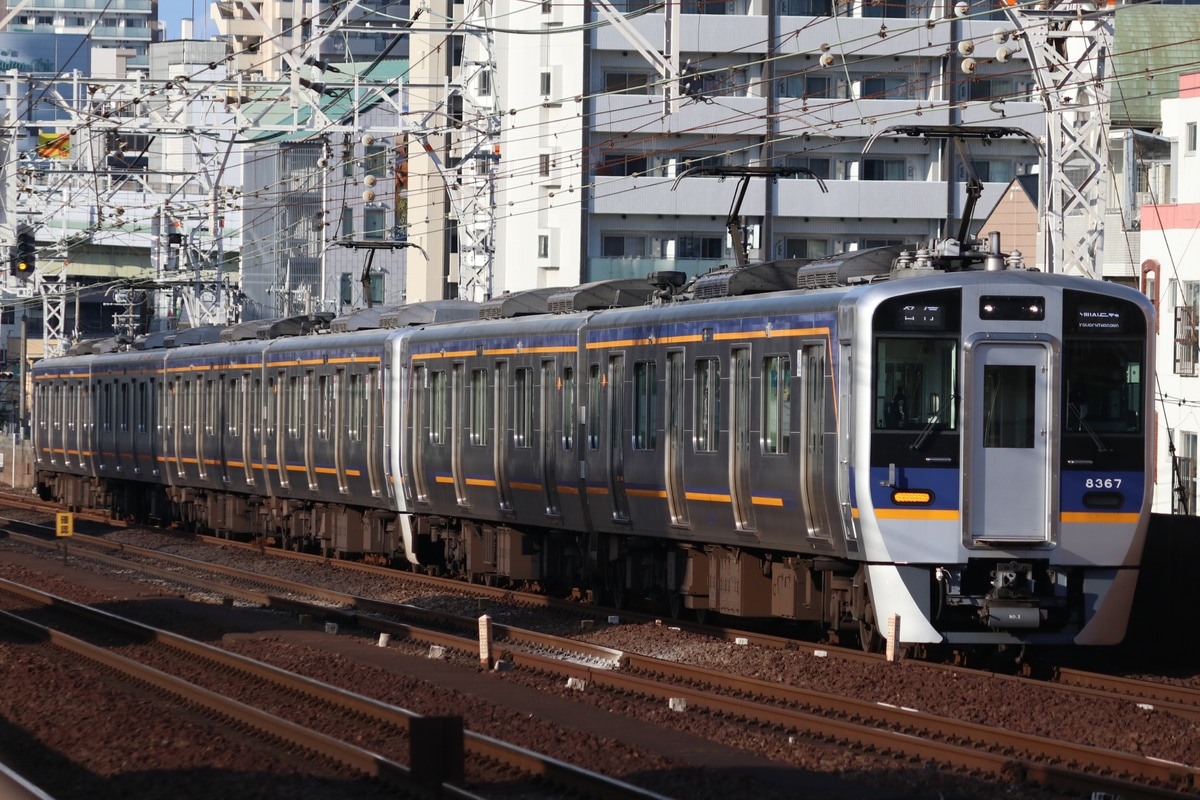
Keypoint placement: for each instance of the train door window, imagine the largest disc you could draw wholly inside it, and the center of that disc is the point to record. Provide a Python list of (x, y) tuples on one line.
[(645, 411), (143, 407), (123, 407), (1008, 405), (776, 404), (479, 409), (707, 405), (311, 413), (523, 407), (256, 401), (294, 401), (545, 426), (354, 411), (418, 402), (72, 406), (568, 407), (272, 408), (439, 413), (212, 400), (595, 385), (324, 400), (105, 407), (233, 403), (616, 437)]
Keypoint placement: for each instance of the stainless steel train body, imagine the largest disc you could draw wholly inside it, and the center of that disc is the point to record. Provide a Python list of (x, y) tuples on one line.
[(966, 449)]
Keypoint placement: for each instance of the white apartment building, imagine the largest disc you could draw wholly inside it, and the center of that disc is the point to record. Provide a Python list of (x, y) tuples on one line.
[(122, 25), (1171, 271)]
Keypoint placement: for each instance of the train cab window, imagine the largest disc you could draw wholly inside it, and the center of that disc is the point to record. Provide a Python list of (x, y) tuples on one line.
[(593, 410), (479, 409), (523, 407), (707, 405), (645, 410), (1103, 386), (568, 407), (439, 412), (915, 380), (776, 404)]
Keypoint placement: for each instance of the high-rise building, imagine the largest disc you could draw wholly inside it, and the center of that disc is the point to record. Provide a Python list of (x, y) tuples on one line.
[(121, 25)]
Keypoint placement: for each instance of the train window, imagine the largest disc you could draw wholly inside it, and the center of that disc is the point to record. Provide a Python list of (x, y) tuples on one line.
[(1104, 385), (479, 409), (212, 402), (439, 414), (707, 406), (915, 380), (645, 411), (594, 389), (776, 404), (568, 407), (523, 408), (1008, 405)]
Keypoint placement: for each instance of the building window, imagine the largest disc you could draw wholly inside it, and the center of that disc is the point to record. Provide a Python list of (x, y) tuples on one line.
[(544, 164), (1185, 470), (627, 82), (374, 220), (543, 245), (347, 288), (1190, 138), (375, 160), (883, 169), (622, 246), (376, 287), (621, 166), (1186, 355), (699, 247), (485, 83), (545, 84), (347, 222), (805, 248)]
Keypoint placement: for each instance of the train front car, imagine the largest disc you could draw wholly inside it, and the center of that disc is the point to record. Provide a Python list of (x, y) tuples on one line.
[(1005, 419)]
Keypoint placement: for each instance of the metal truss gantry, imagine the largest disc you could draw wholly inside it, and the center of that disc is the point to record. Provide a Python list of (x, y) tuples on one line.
[(1069, 47)]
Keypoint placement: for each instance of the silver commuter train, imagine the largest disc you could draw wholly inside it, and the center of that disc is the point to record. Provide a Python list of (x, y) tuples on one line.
[(929, 435)]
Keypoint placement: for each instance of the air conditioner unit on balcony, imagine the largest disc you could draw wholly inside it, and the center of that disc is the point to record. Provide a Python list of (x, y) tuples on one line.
[(1145, 198)]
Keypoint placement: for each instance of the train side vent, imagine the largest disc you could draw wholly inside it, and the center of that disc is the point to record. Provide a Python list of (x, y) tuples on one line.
[(856, 266), (617, 293), (430, 312), (295, 326), (518, 304), (769, 276)]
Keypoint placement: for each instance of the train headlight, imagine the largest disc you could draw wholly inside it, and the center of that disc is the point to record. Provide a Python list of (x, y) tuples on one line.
[(912, 497)]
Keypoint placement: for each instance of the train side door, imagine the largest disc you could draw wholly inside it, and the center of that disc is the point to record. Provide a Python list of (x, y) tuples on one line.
[(1007, 458), (675, 446), (616, 438), (812, 384), (549, 442)]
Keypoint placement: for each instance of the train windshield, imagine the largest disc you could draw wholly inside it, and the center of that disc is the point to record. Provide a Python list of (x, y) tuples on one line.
[(1103, 386), (914, 383)]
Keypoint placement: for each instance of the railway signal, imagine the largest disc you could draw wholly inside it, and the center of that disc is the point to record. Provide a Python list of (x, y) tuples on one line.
[(23, 256)]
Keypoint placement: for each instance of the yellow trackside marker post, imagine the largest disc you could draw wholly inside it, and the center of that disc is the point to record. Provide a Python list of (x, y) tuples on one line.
[(64, 529)]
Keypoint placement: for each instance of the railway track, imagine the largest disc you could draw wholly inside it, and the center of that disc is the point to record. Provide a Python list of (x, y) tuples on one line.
[(908, 733), (191, 672)]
